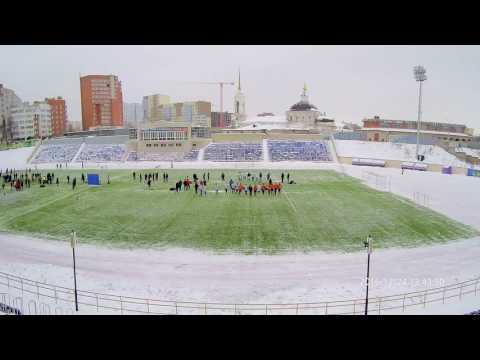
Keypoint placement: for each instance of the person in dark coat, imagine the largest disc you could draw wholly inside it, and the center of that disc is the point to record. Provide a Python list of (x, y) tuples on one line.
[(83, 178), (283, 176), (58, 182), (68, 179), (74, 183), (134, 176)]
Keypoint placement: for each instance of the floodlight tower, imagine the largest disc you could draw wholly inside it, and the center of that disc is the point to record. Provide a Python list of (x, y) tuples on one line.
[(420, 75)]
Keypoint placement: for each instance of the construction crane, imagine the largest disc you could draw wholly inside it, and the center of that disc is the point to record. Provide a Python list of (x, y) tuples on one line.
[(221, 83)]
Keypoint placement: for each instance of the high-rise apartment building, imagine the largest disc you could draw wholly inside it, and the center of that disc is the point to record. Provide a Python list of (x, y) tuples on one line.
[(31, 120), (102, 101), (59, 115), (132, 114), (8, 100), (151, 105), (196, 114), (217, 120)]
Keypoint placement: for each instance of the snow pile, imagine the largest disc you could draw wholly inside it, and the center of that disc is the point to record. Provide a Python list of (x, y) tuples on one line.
[(395, 151), (15, 158)]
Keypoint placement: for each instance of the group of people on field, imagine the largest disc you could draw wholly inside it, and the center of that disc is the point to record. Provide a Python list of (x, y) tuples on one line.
[(149, 178), (24, 179), (248, 184)]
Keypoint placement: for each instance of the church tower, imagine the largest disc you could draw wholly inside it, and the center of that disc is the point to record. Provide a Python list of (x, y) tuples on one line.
[(240, 114)]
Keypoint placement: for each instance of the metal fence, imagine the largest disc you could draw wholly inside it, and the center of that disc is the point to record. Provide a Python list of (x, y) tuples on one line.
[(377, 181), (33, 297)]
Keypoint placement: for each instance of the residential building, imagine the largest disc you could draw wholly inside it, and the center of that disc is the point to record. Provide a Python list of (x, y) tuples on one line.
[(59, 115), (132, 114), (8, 100), (217, 120), (31, 121), (197, 114), (151, 104), (102, 101)]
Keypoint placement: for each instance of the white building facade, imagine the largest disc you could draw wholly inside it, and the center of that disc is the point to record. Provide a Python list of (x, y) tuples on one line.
[(8, 100), (31, 120)]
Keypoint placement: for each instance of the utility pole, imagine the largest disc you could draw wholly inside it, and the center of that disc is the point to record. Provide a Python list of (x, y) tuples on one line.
[(74, 243), (368, 245)]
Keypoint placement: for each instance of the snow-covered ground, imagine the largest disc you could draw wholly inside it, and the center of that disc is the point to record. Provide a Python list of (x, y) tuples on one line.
[(391, 151), (188, 275), (15, 158)]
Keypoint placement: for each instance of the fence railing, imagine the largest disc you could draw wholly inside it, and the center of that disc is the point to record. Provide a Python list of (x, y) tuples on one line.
[(377, 181), (33, 297), (422, 199)]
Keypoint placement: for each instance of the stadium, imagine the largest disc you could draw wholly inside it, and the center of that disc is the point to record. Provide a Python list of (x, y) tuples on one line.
[(277, 224)]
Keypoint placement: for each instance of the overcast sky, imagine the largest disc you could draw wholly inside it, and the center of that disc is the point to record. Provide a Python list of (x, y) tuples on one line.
[(349, 83)]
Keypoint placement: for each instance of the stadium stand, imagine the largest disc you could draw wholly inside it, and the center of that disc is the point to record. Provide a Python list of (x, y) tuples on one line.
[(95, 149), (167, 156), (56, 153), (234, 151), (282, 150), (102, 152), (132, 156), (191, 156)]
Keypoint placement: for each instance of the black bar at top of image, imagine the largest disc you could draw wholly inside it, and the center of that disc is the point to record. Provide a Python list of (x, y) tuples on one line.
[(239, 24)]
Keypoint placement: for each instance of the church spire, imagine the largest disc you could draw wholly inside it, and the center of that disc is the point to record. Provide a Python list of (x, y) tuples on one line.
[(239, 85), (304, 96)]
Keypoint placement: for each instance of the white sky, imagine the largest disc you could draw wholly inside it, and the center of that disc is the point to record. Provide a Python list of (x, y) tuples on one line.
[(347, 82)]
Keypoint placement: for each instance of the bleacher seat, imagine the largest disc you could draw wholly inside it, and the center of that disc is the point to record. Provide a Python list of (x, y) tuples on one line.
[(192, 155), (284, 150), (102, 152), (56, 153), (234, 151)]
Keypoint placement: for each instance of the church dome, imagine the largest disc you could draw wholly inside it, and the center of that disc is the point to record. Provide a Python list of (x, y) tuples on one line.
[(303, 104)]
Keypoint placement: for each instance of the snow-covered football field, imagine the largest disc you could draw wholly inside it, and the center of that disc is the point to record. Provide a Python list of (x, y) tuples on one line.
[(188, 275)]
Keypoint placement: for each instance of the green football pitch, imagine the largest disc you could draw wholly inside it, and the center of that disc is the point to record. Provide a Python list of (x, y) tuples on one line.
[(324, 210)]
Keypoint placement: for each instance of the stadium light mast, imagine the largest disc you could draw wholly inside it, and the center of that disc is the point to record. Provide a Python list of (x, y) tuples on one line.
[(420, 75), (74, 243), (368, 246)]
